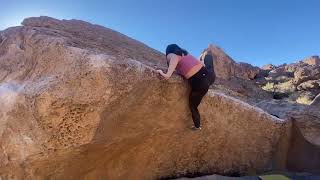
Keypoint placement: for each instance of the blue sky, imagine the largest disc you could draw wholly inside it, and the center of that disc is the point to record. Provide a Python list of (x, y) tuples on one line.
[(252, 31)]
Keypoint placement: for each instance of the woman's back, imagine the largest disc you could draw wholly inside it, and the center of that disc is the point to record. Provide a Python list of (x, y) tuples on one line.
[(188, 64)]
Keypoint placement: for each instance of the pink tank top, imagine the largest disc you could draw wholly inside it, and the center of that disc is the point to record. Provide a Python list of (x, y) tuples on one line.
[(185, 64)]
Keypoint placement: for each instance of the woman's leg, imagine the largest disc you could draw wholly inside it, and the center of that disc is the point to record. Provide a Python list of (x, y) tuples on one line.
[(194, 101), (199, 87), (208, 61)]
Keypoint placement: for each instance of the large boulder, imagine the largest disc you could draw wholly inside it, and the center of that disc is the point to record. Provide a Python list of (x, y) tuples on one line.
[(304, 138), (80, 101), (246, 71), (226, 68), (306, 73), (309, 85), (72, 110)]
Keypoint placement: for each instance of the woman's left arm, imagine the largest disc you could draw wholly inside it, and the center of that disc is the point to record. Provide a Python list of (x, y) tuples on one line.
[(202, 57), (174, 59)]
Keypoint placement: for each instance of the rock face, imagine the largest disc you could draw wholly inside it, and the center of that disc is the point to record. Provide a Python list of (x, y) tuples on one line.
[(313, 60), (80, 101), (305, 136), (309, 85), (306, 73), (225, 67), (83, 35), (268, 67), (299, 81)]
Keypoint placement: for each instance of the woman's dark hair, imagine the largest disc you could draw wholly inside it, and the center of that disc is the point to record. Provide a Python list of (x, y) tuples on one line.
[(175, 49)]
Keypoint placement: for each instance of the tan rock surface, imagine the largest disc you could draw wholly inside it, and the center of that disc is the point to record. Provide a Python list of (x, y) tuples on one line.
[(80, 101)]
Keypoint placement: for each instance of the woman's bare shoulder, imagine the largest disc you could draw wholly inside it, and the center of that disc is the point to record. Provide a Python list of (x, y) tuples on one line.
[(173, 56)]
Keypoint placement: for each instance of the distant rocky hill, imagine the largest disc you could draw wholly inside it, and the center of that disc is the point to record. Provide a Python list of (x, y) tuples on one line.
[(80, 101), (226, 67), (296, 82)]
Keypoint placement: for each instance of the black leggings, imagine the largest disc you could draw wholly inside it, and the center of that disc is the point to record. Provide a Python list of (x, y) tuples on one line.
[(200, 83)]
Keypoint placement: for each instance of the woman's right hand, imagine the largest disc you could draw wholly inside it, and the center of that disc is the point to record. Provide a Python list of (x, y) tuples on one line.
[(159, 71), (163, 74)]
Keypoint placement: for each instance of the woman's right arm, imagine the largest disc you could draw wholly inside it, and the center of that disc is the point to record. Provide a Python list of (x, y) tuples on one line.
[(174, 59)]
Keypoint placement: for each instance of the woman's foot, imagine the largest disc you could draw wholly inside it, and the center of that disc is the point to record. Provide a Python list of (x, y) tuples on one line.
[(195, 128)]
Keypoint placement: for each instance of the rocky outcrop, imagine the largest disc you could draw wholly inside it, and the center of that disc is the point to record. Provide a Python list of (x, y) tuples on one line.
[(279, 73), (296, 82), (80, 101), (309, 85), (306, 73), (313, 60), (268, 67), (226, 68)]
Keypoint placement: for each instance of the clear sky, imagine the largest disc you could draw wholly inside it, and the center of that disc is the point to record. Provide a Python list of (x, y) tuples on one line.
[(252, 31)]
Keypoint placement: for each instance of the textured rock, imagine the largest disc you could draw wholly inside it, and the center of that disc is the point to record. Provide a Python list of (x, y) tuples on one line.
[(279, 72), (268, 67), (297, 82), (308, 85), (305, 136), (77, 33), (80, 101), (246, 71), (225, 67), (306, 73), (313, 60), (316, 101), (306, 97), (71, 104), (245, 90)]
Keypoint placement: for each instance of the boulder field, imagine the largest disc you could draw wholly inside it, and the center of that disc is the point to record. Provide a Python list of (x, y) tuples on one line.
[(80, 101)]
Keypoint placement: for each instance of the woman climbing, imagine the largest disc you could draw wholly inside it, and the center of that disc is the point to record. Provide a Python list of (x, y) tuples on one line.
[(200, 76)]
